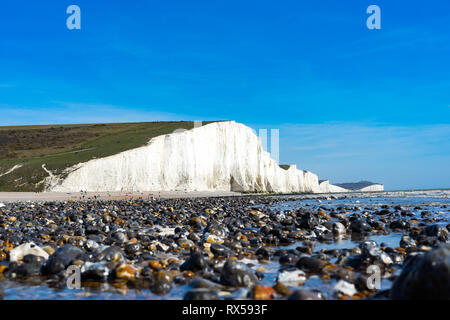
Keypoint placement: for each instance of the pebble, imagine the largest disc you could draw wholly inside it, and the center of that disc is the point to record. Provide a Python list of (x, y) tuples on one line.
[(98, 271), (220, 250), (126, 272), (111, 254), (201, 294), (161, 287), (282, 289), (304, 294), (338, 229), (196, 262), (360, 226), (204, 283), (435, 231), (62, 258), (343, 287), (239, 294), (425, 276), (310, 264), (237, 274), (407, 242), (263, 292), (227, 247), (19, 252)]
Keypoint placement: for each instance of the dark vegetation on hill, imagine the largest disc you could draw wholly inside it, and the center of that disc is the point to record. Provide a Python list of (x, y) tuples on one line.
[(355, 185), (62, 146)]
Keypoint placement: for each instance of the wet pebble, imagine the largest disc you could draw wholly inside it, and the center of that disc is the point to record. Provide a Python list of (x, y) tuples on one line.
[(62, 258), (195, 263), (425, 276), (201, 294), (237, 274)]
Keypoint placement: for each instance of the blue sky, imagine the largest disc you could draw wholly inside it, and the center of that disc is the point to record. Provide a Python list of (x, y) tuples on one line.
[(350, 103)]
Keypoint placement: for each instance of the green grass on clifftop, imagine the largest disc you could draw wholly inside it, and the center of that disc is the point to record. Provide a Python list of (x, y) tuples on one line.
[(62, 146)]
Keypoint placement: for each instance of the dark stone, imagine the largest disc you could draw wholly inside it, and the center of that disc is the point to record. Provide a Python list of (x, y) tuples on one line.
[(361, 282), (93, 230), (435, 231), (119, 238), (276, 232), (24, 270), (304, 294), (259, 275), (345, 274), (198, 283), (400, 224), (407, 242), (286, 259), (161, 287), (378, 225), (31, 258), (216, 229), (132, 248), (383, 212), (99, 271), (425, 277), (338, 228), (193, 237), (310, 265), (111, 254), (262, 253), (309, 221), (219, 250), (366, 246), (147, 273), (196, 222), (196, 262), (61, 259), (95, 237)]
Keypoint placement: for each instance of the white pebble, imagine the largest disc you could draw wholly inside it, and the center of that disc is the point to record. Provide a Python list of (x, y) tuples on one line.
[(343, 287), (292, 278), (21, 251)]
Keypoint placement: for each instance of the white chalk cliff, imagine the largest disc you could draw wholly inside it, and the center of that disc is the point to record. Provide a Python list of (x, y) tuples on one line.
[(326, 186), (221, 156)]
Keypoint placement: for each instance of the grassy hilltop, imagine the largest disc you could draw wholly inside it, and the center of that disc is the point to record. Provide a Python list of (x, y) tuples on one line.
[(61, 146)]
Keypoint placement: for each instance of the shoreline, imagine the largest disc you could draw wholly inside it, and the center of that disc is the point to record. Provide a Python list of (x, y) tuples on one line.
[(124, 195), (116, 195)]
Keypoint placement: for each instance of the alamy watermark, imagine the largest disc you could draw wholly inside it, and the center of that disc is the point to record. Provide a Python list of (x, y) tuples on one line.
[(374, 279), (74, 277), (274, 143), (262, 136), (73, 22), (374, 20)]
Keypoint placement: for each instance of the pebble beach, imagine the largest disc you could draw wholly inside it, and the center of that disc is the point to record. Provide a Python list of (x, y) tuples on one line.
[(224, 246)]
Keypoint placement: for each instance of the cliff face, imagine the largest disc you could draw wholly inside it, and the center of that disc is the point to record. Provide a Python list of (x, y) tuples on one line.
[(361, 186), (326, 186), (372, 188), (222, 156)]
